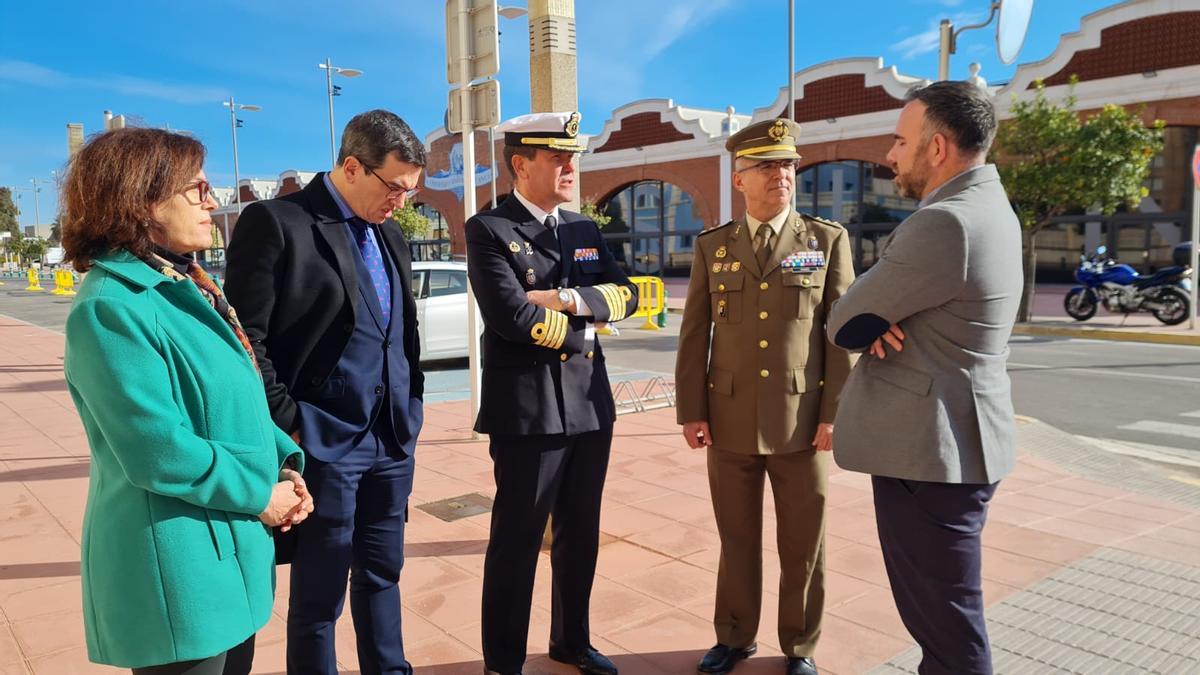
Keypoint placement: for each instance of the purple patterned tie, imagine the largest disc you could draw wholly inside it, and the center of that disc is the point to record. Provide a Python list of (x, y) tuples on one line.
[(374, 261)]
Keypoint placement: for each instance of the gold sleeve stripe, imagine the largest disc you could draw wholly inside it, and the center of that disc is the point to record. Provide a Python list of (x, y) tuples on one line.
[(616, 302), (558, 331), (610, 295)]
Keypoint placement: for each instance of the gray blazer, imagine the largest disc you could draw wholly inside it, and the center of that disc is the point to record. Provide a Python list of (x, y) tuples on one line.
[(941, 409)]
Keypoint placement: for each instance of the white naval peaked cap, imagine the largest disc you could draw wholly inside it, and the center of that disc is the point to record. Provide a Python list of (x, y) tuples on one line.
[(549, 130)]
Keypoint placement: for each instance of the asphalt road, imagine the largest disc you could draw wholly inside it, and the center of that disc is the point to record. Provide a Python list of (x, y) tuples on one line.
[(1138, 398)]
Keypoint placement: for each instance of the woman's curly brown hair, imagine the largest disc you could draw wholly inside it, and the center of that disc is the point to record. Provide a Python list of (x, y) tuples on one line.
[(112, 186)]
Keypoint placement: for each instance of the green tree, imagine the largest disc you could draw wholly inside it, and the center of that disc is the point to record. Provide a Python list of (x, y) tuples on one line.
[(599, 216), (414, 225), (1053, 161), (8, 212), (30, 249)]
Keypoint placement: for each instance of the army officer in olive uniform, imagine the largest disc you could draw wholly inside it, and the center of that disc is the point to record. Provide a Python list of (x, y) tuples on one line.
[(543, 277), (758, 384)]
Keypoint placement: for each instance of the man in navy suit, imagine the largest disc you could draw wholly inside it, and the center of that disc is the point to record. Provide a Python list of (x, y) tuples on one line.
[(321, 281)]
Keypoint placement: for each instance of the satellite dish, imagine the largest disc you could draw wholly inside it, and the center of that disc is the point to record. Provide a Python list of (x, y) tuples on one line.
[(1012, 27)]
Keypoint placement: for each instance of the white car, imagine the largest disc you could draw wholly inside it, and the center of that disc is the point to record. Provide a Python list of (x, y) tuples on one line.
[(440, 289)]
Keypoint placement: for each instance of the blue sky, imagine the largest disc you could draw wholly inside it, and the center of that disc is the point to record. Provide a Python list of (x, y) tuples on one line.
[(173, 63)]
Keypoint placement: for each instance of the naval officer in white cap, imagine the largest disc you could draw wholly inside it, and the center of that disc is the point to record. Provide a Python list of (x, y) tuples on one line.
[(543, 277)]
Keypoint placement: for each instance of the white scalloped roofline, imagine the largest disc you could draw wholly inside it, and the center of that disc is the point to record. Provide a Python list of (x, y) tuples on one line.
[(875, 75), (685, 120), (1088, 37)]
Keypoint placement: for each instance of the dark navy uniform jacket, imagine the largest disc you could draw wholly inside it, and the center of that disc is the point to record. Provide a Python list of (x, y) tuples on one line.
[(540, 375)]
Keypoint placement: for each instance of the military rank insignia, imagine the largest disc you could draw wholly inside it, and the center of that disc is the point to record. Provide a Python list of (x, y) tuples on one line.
[(721, 252), (736, 266), (528, 248), (586, 254), (716, 268), (803, 262)]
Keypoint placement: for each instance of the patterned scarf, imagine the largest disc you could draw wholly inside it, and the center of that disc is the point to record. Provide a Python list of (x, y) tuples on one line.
[(177, 267)]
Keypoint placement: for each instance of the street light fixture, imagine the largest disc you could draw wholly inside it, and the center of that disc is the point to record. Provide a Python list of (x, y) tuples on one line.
[(508, 13), (334, 90), (234, 123)]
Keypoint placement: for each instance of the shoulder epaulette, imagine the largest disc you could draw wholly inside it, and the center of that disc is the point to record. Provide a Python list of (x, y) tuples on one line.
[(714, 229), (823, 221)]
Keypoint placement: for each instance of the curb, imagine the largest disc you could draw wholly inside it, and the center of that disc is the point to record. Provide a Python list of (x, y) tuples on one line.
[(1108, 334)]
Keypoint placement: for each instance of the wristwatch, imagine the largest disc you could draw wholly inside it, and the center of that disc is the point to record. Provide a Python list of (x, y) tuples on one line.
[(565, 297)]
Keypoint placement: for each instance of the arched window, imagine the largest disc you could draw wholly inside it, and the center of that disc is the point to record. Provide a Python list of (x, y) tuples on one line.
[(653, 228), (862, 196)]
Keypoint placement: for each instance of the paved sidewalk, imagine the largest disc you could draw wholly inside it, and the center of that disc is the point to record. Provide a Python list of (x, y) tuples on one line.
[(1090, 559)]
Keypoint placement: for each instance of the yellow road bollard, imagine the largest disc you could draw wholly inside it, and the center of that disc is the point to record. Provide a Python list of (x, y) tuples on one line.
[(35, 284)]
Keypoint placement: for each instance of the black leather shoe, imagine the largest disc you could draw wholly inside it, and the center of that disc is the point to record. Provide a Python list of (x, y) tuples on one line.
[(801, 665), (722, 658), (493, 672), (588, 661)]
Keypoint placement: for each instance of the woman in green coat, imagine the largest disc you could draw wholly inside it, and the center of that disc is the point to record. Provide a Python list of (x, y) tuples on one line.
[(188, 471)]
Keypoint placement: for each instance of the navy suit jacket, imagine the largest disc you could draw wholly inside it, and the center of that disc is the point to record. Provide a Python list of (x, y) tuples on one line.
[(292, 278)]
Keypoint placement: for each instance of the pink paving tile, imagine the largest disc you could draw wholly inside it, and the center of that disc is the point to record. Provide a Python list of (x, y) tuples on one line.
[(57, 598), (1003, 512), (858, 561), (1041, 545), (621, 559), (9, 651), (423, 574), (1056, 493), (1146, 508), (269, 659), (852, 525), (623, 521), (1101, 535), (847, 647), (994, 591), (1028, 502), (627, 491), (674, 641), (874, 609), (1091, 487), (450, 654), (1184, 550), (843, 588), (49, 634), (449, 607), (675, 539), (52, 545), (69, 662), (680, 507), (1014, 569), (614, 607), (17, 668), (840, 494), (675, 582)]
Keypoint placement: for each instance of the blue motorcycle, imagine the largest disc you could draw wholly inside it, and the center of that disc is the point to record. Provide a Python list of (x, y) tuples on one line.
[(1122, 290)]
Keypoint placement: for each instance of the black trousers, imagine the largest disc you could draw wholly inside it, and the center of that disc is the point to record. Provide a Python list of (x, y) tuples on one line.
[(235, 661), (539, 476), (930, 536)]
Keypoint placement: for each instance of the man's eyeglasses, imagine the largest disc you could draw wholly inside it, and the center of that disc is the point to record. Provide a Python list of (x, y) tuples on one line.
[(393, 190), (203, 190), (773, 166)]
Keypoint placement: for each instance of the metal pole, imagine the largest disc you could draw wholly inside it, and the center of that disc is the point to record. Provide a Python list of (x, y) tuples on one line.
[(468, 142), (791, 60), (492, 160), (945, 48), (37, 211), (329, 93), (1195, 241), (237, 183)]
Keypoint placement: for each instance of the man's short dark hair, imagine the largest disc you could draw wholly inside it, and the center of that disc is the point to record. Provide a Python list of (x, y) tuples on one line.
[(960, 110), (372, 136), (511, 151)]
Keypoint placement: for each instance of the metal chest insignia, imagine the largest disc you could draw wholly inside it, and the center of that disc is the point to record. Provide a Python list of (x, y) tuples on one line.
[(530, 277), (721, 252), (528, 248), (813, 244), (514, 247), (716, 268)]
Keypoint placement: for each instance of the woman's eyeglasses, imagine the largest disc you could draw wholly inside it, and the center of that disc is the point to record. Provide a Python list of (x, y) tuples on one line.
[(203, 190)]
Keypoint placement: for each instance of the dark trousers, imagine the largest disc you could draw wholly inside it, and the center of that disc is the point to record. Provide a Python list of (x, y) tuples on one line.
[(930, 536), (235, 661), (357, 529), (536, 477)]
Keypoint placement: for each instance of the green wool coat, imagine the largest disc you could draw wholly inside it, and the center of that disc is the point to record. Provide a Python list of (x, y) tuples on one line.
[(176, 565)]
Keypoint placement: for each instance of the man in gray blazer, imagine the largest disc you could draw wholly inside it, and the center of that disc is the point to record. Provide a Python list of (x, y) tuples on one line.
[(928, 411)]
